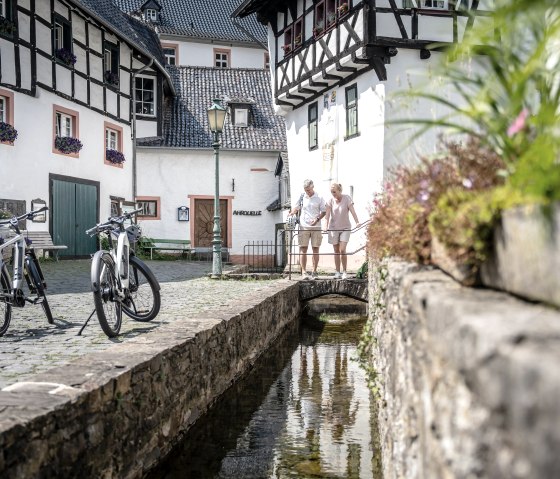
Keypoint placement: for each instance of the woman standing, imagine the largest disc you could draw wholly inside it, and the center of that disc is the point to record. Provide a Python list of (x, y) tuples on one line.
[(338, 226)]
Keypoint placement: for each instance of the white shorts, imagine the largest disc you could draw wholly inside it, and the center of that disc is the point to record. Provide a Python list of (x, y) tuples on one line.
[(336, 237)]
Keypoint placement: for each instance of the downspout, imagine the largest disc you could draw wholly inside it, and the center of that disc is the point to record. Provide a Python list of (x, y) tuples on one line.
[(134, 168), (249, 34)]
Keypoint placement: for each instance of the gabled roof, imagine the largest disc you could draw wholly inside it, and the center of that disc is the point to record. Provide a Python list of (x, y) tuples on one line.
[(205, 19), (186, 120), (136, 33), (151, 4)]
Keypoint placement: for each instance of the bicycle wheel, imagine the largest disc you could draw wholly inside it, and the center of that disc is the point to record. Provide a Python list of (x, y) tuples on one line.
[(5, 306), (105, 296), (143, 300), (33, 272)]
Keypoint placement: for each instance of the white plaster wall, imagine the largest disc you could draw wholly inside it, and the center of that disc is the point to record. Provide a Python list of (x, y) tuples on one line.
[(31, 159), (356, 163), (174, 174), (194, 53), (145, 128)]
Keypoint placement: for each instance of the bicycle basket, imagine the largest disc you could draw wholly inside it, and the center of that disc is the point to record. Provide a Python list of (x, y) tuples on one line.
[(133, 232)]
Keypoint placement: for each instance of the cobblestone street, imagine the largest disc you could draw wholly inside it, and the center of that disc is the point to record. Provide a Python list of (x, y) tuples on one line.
[(31, 345)]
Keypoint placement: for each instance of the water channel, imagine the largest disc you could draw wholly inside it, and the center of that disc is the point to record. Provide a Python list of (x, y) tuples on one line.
[(304, 411)]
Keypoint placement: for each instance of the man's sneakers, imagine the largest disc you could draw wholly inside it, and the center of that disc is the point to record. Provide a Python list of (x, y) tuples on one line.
[(336, 275), (304, 275)]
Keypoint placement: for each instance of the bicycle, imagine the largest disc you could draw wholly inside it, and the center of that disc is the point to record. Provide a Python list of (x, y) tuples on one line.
[(119, 280), (25, 265)]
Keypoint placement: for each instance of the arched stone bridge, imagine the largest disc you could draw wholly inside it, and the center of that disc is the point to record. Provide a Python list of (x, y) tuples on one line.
[(353, 288)]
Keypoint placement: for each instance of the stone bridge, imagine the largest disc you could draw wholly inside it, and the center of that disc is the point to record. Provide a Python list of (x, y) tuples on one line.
[(353, 288)]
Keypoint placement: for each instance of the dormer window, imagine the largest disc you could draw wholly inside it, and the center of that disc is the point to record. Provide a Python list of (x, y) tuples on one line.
[(150, 14), (240, 116), (432, 4)]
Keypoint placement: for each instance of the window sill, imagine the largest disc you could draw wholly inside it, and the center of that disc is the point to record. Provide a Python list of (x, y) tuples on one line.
[(71, 155), (346, 138), (7, 143), (114, 165), (58, 61)]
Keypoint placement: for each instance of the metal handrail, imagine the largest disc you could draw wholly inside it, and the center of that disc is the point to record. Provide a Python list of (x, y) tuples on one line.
[(294, 233)]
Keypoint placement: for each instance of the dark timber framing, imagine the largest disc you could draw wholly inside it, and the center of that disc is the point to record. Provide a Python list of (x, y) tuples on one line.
[(295, 82)]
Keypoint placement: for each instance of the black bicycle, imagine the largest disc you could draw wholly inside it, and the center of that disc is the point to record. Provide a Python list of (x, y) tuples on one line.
[(119, 280), (25, 265)]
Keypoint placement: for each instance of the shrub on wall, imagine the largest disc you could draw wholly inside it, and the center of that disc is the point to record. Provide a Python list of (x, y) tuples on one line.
[(111, 78), (7, 132), (67, 144), (7, 27)]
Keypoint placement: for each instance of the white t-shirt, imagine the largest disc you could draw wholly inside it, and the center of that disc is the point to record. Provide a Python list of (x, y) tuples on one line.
[(311, 209)]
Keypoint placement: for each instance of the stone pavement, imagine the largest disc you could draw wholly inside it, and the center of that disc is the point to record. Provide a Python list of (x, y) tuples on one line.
[(32, 345)]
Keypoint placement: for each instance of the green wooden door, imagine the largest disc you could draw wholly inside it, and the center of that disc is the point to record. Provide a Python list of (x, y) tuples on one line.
[(73, 210)]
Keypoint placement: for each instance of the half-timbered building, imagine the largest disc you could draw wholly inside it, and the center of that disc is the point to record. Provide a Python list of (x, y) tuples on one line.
[(335, 64), (78, 79)]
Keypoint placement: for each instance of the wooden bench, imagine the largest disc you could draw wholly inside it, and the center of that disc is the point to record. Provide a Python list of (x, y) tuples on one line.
[(160, 244), (42, 240)]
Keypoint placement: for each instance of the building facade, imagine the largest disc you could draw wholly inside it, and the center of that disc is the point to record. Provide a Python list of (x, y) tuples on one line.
[(70, 72), (335, 66)]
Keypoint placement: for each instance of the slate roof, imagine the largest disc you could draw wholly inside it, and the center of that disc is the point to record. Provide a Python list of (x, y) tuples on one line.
[(186, 121), (207, 19), (137, 33)]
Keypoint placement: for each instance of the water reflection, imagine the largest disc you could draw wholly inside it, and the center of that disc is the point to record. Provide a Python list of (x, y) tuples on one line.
[(303, 412)]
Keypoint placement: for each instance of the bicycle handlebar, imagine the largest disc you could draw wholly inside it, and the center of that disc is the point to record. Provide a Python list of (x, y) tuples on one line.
[(14, 220), (112, 220)]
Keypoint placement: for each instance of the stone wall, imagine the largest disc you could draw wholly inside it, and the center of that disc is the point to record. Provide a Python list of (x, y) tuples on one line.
[(468, 381), (116, 413)]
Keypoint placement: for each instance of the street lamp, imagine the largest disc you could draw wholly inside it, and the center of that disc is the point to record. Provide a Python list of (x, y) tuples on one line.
[(216, 117)]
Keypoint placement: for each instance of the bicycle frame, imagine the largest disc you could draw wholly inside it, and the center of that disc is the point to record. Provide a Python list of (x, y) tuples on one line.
[(18, 246)]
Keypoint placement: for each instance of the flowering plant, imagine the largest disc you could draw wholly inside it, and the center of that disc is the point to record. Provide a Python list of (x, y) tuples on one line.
[(114, 156), (67, 144), (111, 78), (318, 28), (297, 40), (331, 17), (65, 56), (7, 27), (7, 132), (343, 8), (287, 48)]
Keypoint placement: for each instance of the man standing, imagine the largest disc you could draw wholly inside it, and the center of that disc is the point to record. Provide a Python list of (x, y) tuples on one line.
[(312, 209)]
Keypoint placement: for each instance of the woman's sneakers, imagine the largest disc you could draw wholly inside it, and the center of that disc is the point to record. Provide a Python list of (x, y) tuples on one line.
[(344, 275), (336, 275)]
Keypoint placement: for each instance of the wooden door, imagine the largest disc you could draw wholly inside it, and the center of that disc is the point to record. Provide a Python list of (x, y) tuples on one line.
[(204, 222)]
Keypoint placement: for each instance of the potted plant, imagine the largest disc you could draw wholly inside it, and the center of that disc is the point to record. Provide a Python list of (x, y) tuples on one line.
[(65, 56), (318, 28), (114, 156), (343, 8), (297, 40), (8, 133), (7, 27), (287, 48), (331, 18), (111, 78), (67, 145)]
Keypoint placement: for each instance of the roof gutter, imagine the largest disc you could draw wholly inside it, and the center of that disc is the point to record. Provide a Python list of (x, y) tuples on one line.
[(246, 32)]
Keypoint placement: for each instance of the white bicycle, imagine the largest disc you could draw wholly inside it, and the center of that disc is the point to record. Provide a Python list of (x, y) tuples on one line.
[(25, 266), (119, 280)]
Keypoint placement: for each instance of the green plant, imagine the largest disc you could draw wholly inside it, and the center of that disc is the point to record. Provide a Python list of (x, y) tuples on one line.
[(399, 225), (4, 215)]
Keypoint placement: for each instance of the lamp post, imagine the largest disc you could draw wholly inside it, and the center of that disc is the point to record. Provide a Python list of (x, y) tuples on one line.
[(216, 117)]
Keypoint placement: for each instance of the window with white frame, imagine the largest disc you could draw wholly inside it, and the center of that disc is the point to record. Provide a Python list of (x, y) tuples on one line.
[(145, 96), (435, 4), (3, 108), (151, 15), (111, 139), (3, 5), (149, 208), (312, 125), (221, 58), (241, 117), (63, 124), (58, 36), (170, 55), (351, 111)]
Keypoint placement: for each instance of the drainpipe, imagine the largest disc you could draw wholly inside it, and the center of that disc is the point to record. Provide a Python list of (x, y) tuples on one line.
[(134, 168)]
